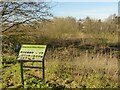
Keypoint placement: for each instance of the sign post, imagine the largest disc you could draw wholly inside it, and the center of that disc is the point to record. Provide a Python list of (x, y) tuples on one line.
[(32, 53)]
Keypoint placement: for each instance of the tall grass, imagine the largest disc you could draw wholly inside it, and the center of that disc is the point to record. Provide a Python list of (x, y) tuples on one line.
[(91, 70)]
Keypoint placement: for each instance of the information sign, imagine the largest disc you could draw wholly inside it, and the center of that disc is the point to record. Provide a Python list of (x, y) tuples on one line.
[(32, 52)]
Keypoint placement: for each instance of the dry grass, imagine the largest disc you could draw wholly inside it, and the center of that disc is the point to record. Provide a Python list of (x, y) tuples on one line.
[(71, 67), (83, 67)]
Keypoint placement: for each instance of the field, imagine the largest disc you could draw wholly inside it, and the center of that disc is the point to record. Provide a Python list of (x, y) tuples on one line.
[(66, 67), (75, 58)]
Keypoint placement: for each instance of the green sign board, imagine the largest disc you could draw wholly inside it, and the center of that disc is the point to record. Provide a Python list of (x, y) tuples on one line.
[(32, 52)]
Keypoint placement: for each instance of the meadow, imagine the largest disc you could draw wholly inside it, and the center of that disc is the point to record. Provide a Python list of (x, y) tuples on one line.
[(66, 68), (76, 57)]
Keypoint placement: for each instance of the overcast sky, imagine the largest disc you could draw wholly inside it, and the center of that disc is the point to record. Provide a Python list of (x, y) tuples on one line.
[(97, 10)]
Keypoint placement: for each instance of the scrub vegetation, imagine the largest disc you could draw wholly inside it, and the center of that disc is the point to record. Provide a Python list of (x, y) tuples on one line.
[(80, 54)]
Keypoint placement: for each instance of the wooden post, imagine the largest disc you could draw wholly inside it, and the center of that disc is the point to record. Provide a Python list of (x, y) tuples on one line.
[(43, 68), (21, 67)]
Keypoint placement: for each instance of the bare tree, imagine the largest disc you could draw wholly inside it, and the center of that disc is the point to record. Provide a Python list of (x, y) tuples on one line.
[(15, 13)]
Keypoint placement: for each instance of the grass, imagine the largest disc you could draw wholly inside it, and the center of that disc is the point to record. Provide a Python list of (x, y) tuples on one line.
[(67, 67), (88, 69)]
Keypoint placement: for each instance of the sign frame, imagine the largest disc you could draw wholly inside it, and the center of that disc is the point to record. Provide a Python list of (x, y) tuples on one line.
[(27, 55)]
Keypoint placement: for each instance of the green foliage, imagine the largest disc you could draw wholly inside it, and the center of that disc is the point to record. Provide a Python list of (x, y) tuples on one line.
[(31, 82), (11, 76), (8, 60)]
